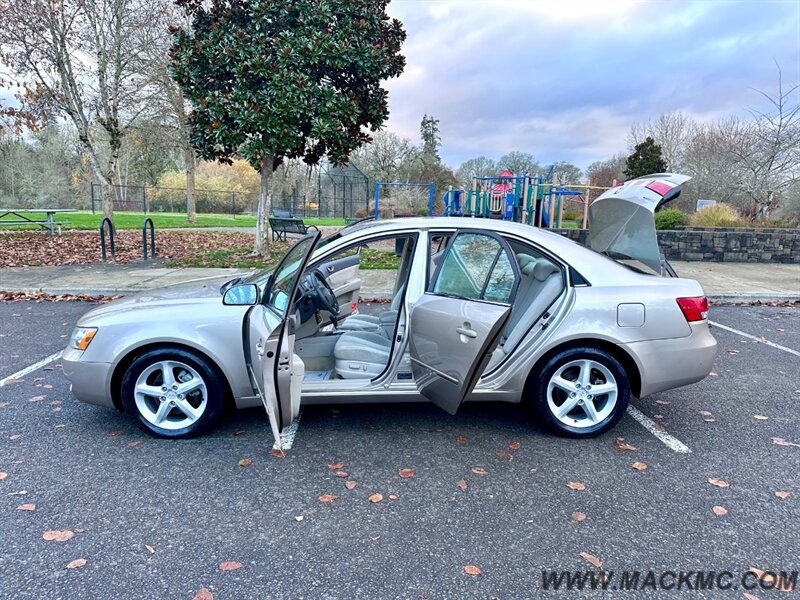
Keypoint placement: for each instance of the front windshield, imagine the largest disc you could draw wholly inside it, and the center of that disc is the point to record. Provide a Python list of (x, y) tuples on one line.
[(283, 283), (261, 277)]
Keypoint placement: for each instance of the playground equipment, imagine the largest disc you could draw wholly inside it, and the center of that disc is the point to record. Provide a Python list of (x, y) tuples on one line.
[(537, 200), (380, 184)]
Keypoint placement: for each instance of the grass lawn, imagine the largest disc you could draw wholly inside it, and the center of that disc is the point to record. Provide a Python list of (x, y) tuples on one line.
[(129, 220)]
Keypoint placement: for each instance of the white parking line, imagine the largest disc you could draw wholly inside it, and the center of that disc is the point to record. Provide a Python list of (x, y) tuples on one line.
[(31, 368), (669, 441), (287, 435), (758, 339)]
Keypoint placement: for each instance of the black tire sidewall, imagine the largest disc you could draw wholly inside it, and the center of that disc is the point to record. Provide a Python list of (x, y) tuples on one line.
[(212, 378), (537, 391)]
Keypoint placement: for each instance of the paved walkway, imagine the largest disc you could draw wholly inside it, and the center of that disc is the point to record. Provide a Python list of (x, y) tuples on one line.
[(728, 282)]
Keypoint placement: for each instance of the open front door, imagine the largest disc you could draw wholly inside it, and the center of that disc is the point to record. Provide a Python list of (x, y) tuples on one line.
[(276, 373), (456, 325)]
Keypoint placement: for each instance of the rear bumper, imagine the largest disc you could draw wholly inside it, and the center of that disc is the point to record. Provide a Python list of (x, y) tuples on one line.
[(91, 381), (672, 363)]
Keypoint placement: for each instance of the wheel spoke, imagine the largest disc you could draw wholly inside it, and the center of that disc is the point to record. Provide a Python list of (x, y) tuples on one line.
[(590, 410), (166, 373), (586, 371), (149, 390), (568, 405), (189, 386), (162, 412), (187, 409), (603, 388), (564, 384)]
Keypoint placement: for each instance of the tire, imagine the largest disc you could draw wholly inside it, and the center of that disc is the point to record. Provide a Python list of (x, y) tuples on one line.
[(559, 385), (190, 408)]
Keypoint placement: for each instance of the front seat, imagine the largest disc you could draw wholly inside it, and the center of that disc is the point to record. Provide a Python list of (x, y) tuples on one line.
[(361, 354), (382, 324)]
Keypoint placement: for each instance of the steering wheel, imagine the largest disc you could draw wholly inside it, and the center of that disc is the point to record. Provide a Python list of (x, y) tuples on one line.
[(317, 289)]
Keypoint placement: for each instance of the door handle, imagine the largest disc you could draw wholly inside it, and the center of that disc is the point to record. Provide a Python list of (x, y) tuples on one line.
[(470, 333), (331, 269)]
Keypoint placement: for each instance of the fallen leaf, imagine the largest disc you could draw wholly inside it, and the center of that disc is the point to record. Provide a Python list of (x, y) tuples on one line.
[(3, 404), (342, 474), (277, 453), (720, 511), (335, 466), (375, 498), (705, 413), (47, 386), (407, 473), (3, 475), (639, 466), (327, 498), (713, 374), (203, 594), (135, 444), (472, 570), (783, 495), (236, 434), (61, 426), (350, 485), (77, 563), (150, 549), (26, 507), (16, 436), (658, 416), (578, 516), (720, 483), (375, 538), (19, 493), (621, 445), (479, 471), (733, 352), (593, 560), (393, 496), (462, 484), (515, 445), (12, 381), (114, 433), (502, 455), (662, 401), (709, 420), (57, 536), (462, 439), (245, 462), (760, 417), (299, 518), (230, 565), (576, 485), (36, 398), (750, 596), (783, 442)]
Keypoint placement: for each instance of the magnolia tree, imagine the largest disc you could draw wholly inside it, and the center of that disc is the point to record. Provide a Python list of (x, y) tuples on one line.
[(271, 80)]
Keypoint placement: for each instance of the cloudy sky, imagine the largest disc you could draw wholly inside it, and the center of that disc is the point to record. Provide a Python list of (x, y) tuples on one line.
[(564, 79)]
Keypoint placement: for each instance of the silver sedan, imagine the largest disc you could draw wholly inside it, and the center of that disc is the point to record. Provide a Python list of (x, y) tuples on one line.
[(473, 309)]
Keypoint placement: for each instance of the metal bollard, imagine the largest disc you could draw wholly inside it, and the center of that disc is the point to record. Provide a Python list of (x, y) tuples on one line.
[(110, 227), (148, 221)]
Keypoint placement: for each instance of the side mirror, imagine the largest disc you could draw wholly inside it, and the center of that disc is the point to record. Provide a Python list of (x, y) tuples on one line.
[(246, 294)]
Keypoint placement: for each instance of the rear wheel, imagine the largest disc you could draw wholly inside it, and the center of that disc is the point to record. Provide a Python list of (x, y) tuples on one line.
[(580, 392), (173, 393)]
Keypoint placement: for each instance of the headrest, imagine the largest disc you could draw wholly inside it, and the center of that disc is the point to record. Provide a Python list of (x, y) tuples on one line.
[(526, 263), (543, 270)]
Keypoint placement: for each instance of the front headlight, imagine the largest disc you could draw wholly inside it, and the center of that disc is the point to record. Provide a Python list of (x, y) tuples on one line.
[(81, 337)]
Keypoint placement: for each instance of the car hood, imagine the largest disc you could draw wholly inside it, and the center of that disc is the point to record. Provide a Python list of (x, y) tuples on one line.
[(170, 298), (621, 223)]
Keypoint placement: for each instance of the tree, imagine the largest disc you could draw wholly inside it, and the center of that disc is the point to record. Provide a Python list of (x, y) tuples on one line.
[(673, 132), (567, 172), (80, 59), (270, 80), (605, 173), (646, 159), (517, 162), (385, 157), (479, 166), (431, 140)]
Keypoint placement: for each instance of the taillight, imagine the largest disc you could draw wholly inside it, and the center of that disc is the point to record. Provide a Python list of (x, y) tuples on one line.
[(694, 309)]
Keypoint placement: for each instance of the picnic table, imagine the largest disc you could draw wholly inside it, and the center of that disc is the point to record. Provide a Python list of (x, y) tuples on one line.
[(17, 216)]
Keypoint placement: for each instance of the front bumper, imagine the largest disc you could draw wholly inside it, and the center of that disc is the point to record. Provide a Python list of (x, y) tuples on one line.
[(91, 381), (672, 363)]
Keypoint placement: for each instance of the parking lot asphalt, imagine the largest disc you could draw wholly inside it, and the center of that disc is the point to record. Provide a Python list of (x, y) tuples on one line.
[(156, 519)]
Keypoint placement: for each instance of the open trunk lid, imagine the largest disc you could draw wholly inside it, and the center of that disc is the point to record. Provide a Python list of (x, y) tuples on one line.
[(621, 222)]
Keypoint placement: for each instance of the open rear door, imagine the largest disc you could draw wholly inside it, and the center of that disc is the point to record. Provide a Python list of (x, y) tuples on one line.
[(455, 326), (276, 373)]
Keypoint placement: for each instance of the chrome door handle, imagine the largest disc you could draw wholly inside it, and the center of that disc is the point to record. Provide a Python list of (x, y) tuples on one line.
[(467, 332), (331, 269)]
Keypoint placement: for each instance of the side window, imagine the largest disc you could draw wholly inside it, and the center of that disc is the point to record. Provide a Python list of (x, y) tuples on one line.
[(476, 267)]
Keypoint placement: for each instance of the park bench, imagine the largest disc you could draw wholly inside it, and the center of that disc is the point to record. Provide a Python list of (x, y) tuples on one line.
[(282, 227), (19, 216)]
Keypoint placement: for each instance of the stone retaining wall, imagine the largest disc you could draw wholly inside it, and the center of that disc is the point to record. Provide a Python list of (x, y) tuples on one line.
[(721, 244)]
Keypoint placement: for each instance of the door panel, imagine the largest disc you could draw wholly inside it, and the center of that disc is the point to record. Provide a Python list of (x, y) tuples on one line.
[(456, 325), (342, 275), (451, 342)]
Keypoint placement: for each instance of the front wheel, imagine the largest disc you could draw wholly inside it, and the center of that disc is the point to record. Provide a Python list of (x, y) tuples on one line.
[(173, 393), (580, 392)]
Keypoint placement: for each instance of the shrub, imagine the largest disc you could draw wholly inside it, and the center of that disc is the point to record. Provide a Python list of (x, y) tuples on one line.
[(669, 218), (422, 212), (718, 215), (572, 215)]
